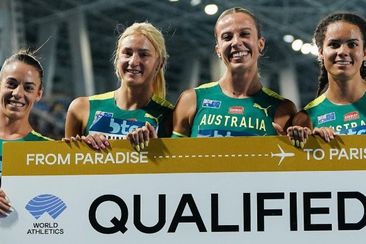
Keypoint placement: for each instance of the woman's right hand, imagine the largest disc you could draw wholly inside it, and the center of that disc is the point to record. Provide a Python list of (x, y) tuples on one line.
[(140, 137), (5, 207), (95, 141), (298, 135), (326, 133)]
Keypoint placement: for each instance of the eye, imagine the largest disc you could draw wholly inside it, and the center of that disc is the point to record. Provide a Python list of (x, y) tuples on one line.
[(352, 44), (226, 36), (244, 33), (126, 53), (29, 88), (144, 54), (334, 44), (11, 83)]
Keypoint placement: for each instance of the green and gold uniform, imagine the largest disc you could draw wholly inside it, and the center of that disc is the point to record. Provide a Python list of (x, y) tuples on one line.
[(218, 115), (107, 118), (345, 119), (32, 136)]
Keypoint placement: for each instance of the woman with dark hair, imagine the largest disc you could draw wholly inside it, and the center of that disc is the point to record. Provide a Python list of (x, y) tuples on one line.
[(20, 87), (340, 107)]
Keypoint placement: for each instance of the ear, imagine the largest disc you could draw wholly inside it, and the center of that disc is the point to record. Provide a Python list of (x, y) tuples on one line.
[(320, 55), (261, 44), (39, 95), (217, 51)]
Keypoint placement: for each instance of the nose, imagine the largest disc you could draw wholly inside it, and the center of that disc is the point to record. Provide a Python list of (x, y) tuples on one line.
[(134, 60), (343, 49), (18, 92), (236, 41)]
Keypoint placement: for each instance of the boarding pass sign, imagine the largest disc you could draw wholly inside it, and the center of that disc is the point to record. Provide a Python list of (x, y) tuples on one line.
[(214, 191)]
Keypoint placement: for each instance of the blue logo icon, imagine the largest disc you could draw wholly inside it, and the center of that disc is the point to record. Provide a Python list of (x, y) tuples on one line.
[(41, 204)]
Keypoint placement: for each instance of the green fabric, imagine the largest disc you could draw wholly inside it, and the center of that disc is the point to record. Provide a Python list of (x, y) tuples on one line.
[(345, 119), (106, 118), (218, 115)]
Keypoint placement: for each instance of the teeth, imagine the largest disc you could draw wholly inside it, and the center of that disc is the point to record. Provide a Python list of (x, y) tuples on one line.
[(240, 54), (133, 71), (343, 62), (16, 104)]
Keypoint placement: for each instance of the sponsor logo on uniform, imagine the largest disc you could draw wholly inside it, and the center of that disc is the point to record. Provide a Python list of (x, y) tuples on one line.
[(326, 118), (264, 109), (208, 103), (351, 116), (236, 110), (45, 203)]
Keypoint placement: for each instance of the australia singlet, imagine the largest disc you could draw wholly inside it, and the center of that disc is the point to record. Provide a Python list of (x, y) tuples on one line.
[(345, 119), (32, 136), (107, 118), (218, 115)]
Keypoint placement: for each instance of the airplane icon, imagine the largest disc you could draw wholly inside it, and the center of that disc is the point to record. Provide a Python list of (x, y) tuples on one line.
[(282, 155)]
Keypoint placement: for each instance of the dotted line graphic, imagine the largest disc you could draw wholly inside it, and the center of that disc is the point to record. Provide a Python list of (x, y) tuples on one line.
[(281, 155), (212, 156)]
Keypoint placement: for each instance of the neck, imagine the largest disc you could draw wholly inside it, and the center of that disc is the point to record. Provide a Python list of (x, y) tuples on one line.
[(131, 99), (240, 85), (13, 128), (346, 91)]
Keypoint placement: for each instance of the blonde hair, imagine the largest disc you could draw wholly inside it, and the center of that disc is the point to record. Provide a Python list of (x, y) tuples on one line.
[(156, 38)]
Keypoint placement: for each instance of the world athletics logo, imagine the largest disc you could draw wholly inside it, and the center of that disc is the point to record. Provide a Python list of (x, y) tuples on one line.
[(45, 203)]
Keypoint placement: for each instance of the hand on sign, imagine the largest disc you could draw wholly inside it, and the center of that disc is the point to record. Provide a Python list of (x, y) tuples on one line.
[(95, 141), (140, 137), (324, 132), (298, 135), (5, 207)]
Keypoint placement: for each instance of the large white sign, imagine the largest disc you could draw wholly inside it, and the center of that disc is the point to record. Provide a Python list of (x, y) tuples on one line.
[(286, 206)]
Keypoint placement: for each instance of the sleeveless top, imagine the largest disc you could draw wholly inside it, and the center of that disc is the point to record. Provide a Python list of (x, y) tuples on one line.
[(345, 119), (218, 115), (32, 136), (107, 118)]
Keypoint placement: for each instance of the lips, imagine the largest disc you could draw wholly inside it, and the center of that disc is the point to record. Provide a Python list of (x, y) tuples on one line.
[(343, 62), (239, 54), (16, 104), (134, 71)]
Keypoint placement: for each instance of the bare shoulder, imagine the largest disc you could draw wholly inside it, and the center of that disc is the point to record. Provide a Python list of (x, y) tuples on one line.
[(184, 112), (77, 116)]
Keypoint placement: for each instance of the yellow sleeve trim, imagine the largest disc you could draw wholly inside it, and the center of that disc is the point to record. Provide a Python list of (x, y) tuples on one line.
[(102, 96), (207, 85), (162, 101), (178, 135), (315, 102), (40, 135), (272, 93)]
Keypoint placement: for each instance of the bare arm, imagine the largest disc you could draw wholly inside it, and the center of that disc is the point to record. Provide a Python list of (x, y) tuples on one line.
[(77, 117), (284, 114), (184, 113)]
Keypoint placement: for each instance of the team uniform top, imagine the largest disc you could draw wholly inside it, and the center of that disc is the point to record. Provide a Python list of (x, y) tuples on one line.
[(218, 115), (32, 136), (107, 118), (345, 119)]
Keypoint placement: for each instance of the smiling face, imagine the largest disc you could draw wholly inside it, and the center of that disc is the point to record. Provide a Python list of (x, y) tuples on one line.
[(343, 50), (238, 44), (20, 88), (138, 62)]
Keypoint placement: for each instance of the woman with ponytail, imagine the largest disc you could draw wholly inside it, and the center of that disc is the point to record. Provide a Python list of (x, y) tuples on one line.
[(139, 62), (340, 106)]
